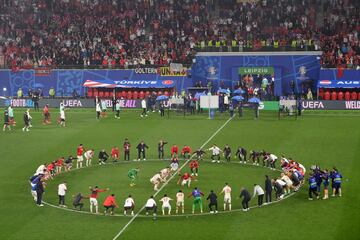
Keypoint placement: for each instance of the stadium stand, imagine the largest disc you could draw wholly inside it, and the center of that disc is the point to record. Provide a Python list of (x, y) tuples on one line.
[(126, 34)]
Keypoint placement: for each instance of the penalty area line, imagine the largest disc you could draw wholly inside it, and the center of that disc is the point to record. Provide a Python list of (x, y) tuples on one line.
[(167, 181)]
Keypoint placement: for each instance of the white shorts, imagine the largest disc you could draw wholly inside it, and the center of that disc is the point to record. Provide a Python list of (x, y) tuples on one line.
[(93, 201), (155, 182), (180, 203), (80, 158), (227, 200), (174, 166), (166, 206), (184, 182)]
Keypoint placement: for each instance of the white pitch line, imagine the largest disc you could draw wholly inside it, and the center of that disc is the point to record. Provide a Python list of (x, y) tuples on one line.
[(161, 188)]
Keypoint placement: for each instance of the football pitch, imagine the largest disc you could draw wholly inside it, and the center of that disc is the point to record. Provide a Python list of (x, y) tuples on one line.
[(326, 139)]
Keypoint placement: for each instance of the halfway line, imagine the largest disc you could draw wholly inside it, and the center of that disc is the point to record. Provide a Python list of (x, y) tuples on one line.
[(158, 191)]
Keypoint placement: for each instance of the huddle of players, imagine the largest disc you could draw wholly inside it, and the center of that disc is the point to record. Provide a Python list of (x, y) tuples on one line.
[(319, 177)]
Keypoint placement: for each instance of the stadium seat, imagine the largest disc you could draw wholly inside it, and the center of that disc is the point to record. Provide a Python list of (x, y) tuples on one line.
[(96, 92), (334, 95), (359, 96), (135, 95), (159, 93), (129, 95), (106, 94), (340, 95), (118, 94), (347, 95), (90, 92), (327, 95), (123, 94), (101, 93), (141, 95), (166, 93), (321, 93), (354, 96), (147, 93)]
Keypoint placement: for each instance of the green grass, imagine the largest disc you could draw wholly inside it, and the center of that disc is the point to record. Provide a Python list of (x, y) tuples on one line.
[(328, 139)]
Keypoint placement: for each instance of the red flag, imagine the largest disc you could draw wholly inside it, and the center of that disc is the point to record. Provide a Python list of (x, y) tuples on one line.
[(340, 72)]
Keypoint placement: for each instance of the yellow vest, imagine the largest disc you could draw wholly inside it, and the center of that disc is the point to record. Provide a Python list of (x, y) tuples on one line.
[(293, 43), (276, 44), (217, 44), (210, 43), (233, 43)]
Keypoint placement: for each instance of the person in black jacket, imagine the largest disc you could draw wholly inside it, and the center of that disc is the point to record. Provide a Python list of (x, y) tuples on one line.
[(268, 189), (162, 109), (103, 156), (161, 145), (227, 153), (39, 191), (141, 150), (212, 202), (245, 202)]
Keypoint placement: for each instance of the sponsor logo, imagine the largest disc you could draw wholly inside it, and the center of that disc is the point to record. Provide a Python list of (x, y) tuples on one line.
[(166, 71), (146, 71), (261, 106), (136, 82), (19, 103), (352, 105), (42, 71), (72, 103), (313, 105), (348, 83), (167, 82), (325, 82)]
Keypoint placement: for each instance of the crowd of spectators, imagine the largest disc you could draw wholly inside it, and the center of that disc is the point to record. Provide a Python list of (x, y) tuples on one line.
[(127, 33)]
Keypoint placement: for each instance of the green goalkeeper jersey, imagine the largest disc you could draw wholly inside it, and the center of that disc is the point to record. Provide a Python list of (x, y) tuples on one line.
[(133, 173)]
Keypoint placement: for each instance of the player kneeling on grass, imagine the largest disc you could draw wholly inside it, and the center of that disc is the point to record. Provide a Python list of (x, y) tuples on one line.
[(103, 157), (166, 204), (115, 153), (174, 164), (180, 199), (110, 203), (165, 173), (132, 175), (212, 202), (185, 179), (151, 206), (186, 152), (194, 166), (93, 198), (68, 163), (196, 194), (289, 183), (156, 180), (129, 205), (89, 154), (59, 164), (227, 196), (215, 153)]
